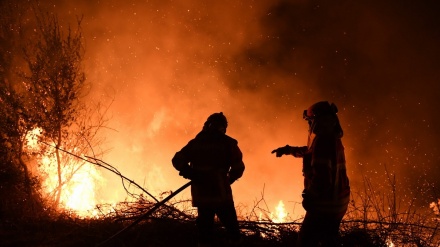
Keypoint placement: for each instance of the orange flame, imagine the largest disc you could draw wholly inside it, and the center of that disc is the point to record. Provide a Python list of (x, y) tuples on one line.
[(80, 180), (389, 243), (280, 213)]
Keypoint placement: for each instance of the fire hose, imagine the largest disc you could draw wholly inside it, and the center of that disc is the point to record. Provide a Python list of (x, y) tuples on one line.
[(145, 215)]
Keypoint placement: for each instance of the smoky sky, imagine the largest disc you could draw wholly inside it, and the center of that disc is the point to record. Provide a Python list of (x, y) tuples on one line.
[(169, 64), (377, 61)]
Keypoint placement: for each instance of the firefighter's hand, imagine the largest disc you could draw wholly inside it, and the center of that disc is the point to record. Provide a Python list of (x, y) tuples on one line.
[(188, 173), (282, 151)]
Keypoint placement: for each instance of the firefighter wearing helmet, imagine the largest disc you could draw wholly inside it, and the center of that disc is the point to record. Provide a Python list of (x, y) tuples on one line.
[(213, 161), (326, 191)]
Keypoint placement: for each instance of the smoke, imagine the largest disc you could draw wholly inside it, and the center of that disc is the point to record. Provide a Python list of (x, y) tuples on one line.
[(169, 64)]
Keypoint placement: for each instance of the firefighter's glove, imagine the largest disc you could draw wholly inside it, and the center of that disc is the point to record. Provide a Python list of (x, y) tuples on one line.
[(282, 151), (188, 173)]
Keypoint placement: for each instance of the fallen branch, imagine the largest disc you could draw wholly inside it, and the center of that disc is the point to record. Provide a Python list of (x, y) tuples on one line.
[(156, 206), (111, 168)]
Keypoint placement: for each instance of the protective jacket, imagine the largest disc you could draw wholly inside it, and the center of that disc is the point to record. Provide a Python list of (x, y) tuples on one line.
[(215, 161), (326, 185)]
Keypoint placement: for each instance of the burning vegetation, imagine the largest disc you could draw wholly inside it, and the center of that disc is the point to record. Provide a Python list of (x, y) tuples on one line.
[(76, 218), (52, 168)]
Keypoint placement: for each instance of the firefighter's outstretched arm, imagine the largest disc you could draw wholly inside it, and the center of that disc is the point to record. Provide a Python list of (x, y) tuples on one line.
[(289, 150)]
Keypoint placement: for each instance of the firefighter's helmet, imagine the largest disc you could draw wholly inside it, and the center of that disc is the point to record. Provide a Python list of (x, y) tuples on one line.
[(321, 108), (216, 121), (322, 118)]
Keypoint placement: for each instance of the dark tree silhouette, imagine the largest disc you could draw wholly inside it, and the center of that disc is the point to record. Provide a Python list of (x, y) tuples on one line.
[(14, 123)]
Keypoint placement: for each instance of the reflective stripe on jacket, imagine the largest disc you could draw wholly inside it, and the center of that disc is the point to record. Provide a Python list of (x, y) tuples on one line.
[(326, 185)]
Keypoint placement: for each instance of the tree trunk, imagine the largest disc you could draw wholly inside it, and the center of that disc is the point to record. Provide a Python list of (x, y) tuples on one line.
[(60, 182), (26, 176)]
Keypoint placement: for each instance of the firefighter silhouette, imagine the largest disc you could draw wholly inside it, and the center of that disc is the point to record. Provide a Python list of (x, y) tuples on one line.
[(213, 161), (326, 191)]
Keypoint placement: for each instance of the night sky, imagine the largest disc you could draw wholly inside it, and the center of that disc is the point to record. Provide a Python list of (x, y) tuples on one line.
[(169, 64)]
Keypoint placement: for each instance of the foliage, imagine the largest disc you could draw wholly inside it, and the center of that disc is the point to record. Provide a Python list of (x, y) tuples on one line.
[(18, 189), (55, 80)]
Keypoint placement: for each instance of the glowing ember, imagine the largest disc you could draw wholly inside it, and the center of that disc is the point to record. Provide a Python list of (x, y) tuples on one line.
[(435, 207)]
